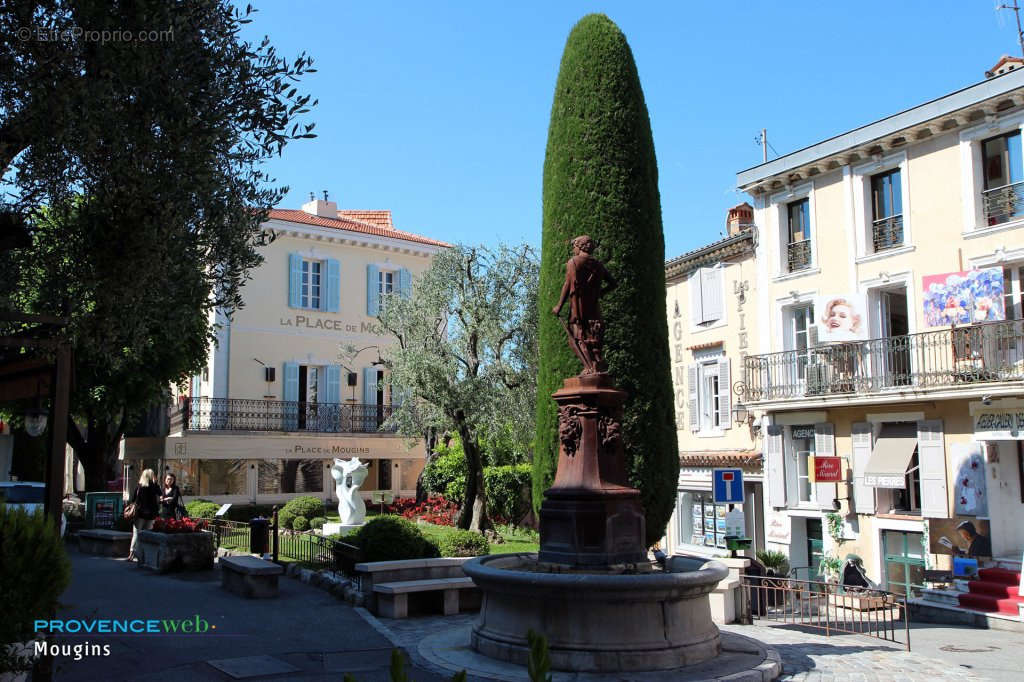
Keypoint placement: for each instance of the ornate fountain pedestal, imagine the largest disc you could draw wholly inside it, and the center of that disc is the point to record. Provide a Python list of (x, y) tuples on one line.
[(590, 516)]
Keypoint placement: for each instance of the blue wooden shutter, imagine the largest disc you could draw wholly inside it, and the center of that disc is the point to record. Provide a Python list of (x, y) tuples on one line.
[(333, 394), (290, 414), (372, 290), (333, 299), (294, 280), (404, 283), (1013, 158), (370, 385)]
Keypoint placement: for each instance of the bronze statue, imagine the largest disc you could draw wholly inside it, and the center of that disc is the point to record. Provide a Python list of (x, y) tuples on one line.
[(586, 281)]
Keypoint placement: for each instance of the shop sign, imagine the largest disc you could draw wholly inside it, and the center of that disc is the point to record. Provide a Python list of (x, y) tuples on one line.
[(306, 322), (999, 425), (892, 481), (828, 470), (779, 529), (802, 431), (333, 450)]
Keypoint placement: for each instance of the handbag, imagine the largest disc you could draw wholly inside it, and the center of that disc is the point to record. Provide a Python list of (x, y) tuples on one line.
[(130, 510)]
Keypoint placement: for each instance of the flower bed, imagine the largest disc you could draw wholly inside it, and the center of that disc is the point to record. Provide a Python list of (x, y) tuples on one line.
[(175, 545), (436, 510)]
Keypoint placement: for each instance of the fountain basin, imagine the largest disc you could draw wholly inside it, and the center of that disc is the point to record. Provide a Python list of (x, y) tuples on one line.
[(596, 620)]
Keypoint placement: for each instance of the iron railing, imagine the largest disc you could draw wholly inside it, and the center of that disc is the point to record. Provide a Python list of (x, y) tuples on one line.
[(308, 548), (240, 414), (826, 606), (1002, 204), (231, 534), (798, 255), (887, 233), (985, 352)]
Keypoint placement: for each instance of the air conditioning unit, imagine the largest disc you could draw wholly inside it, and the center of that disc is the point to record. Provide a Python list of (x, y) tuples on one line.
[(817, 378), (269, 373)]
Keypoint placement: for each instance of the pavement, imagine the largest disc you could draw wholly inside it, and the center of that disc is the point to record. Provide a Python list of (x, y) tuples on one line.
[(307, 634)]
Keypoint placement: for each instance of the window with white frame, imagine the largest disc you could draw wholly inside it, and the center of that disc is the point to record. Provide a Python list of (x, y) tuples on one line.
[(706, 297), (1002, 171), (802, 442), (710, 398), (798, 321), (798, 235), (886, 210), (1013, 291), (386, 282), (309, 296)]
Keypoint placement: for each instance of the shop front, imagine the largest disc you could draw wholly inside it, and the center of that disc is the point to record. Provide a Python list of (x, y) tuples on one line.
[(995, 474)]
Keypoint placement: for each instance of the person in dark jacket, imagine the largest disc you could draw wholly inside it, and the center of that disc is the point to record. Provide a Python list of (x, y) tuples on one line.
[(147, 503), (170, 497)]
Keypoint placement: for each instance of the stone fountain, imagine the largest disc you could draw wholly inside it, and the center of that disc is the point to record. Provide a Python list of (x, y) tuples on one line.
[(591, 590)]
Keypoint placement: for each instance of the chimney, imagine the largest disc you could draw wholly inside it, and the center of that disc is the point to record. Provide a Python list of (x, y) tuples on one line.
[(740, 218), (1005, 64), (321, 207)]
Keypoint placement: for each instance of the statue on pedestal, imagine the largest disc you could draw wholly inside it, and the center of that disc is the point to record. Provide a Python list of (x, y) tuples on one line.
[(586, 281), (348, 476)]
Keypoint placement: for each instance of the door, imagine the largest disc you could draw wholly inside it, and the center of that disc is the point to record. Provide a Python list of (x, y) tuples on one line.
[(384, 474), (895, 342), (904, 561), (381, 413), (815, 547)]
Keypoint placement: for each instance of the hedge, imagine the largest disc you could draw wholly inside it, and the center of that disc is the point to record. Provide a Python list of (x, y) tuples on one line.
[(601, 179), (391, 538), (307, 506), (454, 542), (505, 485), (300, 523), (202, 509)]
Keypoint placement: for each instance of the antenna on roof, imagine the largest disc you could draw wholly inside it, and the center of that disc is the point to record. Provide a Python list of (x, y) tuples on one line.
[(1020, 33), (325, 195), (312, 196), (762, 141)]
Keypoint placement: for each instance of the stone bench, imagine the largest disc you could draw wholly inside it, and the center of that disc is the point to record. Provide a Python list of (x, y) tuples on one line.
[(104, 542), (249, 576), (371, 573), (393, 598)]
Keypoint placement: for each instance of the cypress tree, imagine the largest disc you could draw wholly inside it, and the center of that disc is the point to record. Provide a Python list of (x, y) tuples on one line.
[(601, 179)]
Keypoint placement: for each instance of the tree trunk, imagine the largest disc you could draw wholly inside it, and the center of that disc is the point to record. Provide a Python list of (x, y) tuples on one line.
[(430, 440), (474, 508), (97, 451)]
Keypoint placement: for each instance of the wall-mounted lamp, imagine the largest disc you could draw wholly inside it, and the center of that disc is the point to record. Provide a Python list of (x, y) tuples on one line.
[(740, 413), (35, 421)]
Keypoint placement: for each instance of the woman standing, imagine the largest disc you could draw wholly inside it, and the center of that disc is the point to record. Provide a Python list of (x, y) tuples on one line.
[(170, 497), (147, 501)]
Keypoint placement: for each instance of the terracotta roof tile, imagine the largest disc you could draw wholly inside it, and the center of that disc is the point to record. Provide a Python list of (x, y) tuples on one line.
[(721, 458), (298, 216), (378, 218)]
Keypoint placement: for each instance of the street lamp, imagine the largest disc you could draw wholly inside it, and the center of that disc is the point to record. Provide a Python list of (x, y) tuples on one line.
[(35, 421)]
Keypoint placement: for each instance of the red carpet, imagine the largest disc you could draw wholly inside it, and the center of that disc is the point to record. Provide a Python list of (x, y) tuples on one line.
[(995, 590)]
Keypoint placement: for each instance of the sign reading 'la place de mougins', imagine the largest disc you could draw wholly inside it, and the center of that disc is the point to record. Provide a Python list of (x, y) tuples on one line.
[(306, 322)]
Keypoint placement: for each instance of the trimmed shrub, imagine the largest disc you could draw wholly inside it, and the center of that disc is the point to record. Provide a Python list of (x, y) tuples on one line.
[(201, 509), (307, 506), (317, 523), (601, 179), (508, 488), (300, 523), (455, 542), (449, 465), (34, 571), (285, 518), (390, 538)]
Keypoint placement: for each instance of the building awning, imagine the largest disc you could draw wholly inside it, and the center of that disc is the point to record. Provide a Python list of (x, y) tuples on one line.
[(891, 456)]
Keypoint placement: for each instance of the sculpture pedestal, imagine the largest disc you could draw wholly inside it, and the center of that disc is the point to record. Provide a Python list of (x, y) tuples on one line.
[(332, 528), (590, 516)]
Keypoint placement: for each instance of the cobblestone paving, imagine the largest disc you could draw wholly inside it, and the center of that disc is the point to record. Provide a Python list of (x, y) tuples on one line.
[(939, 652)]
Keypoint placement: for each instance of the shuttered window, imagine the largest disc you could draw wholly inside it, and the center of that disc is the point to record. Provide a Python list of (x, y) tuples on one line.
[(706, 295)]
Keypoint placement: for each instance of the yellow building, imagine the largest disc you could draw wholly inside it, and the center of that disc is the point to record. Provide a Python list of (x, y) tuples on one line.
[(890, 262), (280, 398), (712, 303)]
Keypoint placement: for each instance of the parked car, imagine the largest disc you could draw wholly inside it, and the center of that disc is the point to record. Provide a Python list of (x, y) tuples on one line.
[(27, 495)]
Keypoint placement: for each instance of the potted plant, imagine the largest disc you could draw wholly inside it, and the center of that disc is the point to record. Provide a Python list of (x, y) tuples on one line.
[(175, 544)]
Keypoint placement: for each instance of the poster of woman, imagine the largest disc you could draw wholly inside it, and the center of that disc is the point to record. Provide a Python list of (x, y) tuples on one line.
[(963, 297), (841, 317)]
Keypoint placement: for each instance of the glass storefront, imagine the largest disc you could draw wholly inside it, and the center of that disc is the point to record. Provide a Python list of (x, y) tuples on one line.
[(904, 561), (701, 521), (221, 477), (291, 476)]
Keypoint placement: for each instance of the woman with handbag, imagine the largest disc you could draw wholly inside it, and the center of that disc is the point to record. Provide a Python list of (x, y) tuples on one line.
[(143, 507), (170, 498)]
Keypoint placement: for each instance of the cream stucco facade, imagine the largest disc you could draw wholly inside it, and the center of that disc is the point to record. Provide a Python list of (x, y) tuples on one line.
[(283, 394)]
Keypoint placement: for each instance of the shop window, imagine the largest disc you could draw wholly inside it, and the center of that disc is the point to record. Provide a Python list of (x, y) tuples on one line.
[(908, 499), (222, 477), (701, 521), (278, 476), (904, 561)]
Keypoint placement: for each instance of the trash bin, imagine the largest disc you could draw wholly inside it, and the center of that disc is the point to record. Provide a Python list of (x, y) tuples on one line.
[(259, 535)]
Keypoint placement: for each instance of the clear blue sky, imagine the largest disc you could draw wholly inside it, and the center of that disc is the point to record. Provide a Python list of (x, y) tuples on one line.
[(439, 110)]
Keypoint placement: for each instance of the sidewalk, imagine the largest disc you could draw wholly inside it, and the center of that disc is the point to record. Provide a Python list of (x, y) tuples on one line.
[(305, 634)]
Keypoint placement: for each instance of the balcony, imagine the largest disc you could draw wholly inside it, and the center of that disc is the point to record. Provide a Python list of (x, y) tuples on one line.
[(887, 233), (239, 414), (962, 356), (798, 255), (1003, 204)]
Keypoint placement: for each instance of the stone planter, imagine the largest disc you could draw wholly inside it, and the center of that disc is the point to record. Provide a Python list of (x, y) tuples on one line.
[(165, 552)]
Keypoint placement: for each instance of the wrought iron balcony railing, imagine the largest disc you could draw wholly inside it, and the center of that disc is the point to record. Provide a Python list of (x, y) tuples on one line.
[(1003, 204), (986, 352), (239, 414), (887, 233), (798, 255)]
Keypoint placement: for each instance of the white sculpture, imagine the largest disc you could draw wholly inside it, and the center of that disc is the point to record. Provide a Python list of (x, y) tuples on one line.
[(348, 476)]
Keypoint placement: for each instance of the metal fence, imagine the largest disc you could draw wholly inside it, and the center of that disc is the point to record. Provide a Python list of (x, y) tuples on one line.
[(308, 548), (984, 352), (1002, 204), (798, 255), (241, 414), (887, 233), (231, 534), (827, 607)]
